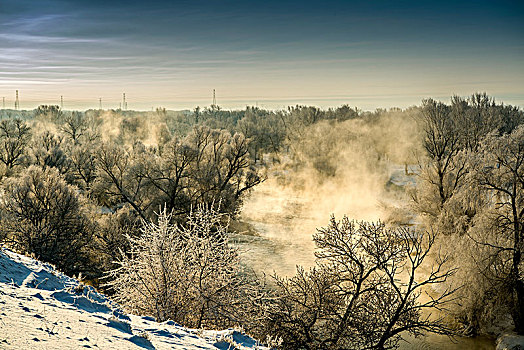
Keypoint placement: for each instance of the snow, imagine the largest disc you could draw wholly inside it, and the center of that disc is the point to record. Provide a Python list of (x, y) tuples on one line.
[(510, 342), (399, 177), (41, 308)]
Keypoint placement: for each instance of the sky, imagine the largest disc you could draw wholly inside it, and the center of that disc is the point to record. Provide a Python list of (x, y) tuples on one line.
[(367, 54)]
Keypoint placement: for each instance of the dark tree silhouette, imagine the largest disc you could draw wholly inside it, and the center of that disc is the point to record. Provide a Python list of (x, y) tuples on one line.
[(363, 292)]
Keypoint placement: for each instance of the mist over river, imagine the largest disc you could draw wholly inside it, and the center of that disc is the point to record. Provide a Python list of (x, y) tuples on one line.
[(280, 224)]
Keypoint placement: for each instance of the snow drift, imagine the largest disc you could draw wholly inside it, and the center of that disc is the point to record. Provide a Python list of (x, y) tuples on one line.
[(41, 308)]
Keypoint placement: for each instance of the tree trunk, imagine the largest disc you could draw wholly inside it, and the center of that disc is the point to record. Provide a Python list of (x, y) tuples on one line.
[(518, 311)]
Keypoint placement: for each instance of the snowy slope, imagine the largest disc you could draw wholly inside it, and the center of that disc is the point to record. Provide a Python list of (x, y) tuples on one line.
[(43, 309)]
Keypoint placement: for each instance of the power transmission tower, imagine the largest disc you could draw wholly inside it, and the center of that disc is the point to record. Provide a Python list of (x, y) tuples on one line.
[(17, 102), (100, 103), (61, 102), (214, 99), (124, 103)]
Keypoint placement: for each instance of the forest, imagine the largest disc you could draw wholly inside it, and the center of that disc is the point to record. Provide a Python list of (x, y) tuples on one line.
[(146, 207)]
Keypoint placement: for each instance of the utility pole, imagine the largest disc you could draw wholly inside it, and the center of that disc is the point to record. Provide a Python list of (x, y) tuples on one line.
[(100, 103), (61, 102), (214, 98), (17, 102), (124, 103), (3, 102)]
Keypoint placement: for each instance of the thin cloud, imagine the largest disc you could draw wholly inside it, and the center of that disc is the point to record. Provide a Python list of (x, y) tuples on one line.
[(33, 23), (41, 39)]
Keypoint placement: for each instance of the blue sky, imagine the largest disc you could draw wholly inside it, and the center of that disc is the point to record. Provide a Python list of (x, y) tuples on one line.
[(174, 53)]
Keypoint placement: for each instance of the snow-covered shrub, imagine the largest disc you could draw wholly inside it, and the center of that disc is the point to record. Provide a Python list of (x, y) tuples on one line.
[(188, 273)]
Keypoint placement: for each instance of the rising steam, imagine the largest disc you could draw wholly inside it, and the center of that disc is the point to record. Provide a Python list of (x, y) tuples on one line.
[(335, 168)]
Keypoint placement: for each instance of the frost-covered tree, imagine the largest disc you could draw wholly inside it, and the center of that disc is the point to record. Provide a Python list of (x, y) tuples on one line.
[(207, 165), (75, 126), (44, 216), (187, 273), (14, 137), (450, 131), (51, 111), (47, 150), (442, 171), (468, 183), (495, 186), (83, 165)]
